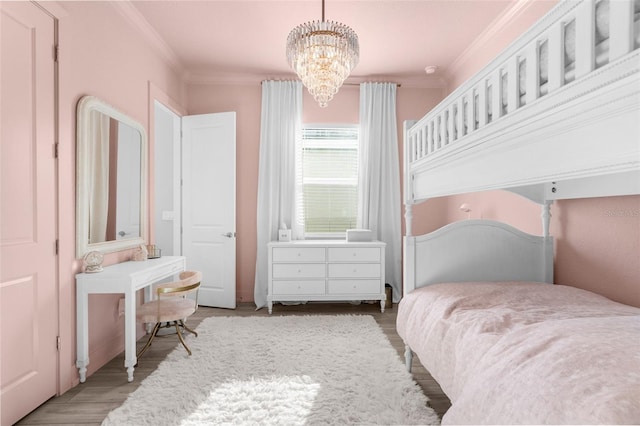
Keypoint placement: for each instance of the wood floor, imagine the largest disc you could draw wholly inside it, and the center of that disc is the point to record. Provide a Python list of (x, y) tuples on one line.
[(90, 402)]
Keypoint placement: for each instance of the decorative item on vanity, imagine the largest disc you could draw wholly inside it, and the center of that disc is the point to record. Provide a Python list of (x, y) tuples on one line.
[(153, 251), (284, 234), (359, 235), (93, 262), (140, 254), (322, 53)]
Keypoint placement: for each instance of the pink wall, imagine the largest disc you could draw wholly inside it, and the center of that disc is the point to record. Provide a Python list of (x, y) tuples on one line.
[(101, 55), (246, 101), (598, 246)]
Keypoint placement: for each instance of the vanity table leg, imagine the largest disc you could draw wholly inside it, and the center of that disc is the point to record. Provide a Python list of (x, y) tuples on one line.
[(130, 359), (148, 296), (82, 333)]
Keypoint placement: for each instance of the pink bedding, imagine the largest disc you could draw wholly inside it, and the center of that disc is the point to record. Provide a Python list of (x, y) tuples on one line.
[(526, 353)]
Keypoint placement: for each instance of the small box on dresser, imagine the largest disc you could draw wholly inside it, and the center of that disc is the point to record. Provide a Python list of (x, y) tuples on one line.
[(326, 270)]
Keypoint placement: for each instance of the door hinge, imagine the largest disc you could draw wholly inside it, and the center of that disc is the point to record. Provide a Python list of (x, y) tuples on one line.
[(56, 52), (58, 343), (55, 149), (57, 246)]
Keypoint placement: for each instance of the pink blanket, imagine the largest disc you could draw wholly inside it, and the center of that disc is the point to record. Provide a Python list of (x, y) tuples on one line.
[(526, 353)]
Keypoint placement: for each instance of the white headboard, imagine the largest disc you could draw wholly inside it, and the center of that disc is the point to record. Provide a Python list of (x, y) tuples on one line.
[(477, 250)]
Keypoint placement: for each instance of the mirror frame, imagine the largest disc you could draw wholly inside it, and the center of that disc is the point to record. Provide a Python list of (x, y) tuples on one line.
[(85, 106)]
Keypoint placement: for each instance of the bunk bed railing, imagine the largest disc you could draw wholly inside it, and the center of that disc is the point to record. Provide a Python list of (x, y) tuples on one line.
[(572, 40)]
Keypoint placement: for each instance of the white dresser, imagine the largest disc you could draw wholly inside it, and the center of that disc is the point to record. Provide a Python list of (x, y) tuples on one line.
[(326, 270)]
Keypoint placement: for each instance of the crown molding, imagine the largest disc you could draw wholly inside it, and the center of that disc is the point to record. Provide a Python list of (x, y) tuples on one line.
[(489, 33), (233, 78), (414, 81), (138, 21), (54, 8)]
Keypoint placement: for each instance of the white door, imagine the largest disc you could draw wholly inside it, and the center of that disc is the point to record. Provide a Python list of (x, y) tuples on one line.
[(128, 183), (167, 163), (209, 204), (28, 288)]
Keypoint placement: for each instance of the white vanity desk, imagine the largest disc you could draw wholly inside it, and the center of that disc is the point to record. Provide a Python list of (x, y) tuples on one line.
[(127, 278)]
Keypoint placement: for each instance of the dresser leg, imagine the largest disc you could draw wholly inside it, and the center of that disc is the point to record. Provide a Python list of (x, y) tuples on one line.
[(382, 304), (270, 306)]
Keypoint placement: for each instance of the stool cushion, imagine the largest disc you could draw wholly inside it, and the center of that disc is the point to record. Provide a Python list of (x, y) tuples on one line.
[(171, 309)]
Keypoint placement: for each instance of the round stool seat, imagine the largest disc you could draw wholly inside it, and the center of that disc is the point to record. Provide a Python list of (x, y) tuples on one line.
[(170, 309)]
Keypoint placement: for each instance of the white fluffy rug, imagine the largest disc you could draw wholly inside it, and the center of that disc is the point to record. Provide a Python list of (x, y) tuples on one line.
[(290, 370)]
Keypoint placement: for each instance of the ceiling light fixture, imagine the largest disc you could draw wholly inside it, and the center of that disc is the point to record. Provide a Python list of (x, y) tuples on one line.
[(322, 53), (431, 69)]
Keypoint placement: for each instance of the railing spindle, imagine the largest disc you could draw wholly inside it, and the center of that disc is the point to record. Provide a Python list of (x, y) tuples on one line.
[(585, 39), (620, 29)]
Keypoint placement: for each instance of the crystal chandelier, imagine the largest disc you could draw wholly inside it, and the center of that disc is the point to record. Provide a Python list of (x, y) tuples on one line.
[(322, 54)]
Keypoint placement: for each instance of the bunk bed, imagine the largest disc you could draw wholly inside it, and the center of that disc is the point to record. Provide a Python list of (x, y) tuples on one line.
[(554, 116)]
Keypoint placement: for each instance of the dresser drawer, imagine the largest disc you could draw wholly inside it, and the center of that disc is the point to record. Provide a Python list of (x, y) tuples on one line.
[(354, 287), (354, 270), (354, 254), (298, 254), (298, 270), (298, 287)]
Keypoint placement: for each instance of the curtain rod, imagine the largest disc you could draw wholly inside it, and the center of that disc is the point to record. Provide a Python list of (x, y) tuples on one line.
[(358, 84)]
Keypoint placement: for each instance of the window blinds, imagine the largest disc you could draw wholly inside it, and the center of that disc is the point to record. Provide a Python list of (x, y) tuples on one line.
[(327, 179)]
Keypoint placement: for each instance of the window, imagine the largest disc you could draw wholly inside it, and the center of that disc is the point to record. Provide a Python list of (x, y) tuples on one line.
[(327, 179)]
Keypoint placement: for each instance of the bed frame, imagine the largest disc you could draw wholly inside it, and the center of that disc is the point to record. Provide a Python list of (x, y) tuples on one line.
[(554, 116), (480, 250)]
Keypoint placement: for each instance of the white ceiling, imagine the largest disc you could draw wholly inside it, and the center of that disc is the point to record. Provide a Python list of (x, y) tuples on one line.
[(244, 40)]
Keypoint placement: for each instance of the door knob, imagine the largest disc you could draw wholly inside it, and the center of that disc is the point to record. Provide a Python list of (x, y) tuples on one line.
[(229, 234), (122, 233)]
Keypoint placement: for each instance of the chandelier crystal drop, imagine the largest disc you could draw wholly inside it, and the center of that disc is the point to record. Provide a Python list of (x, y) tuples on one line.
[(322, 53)]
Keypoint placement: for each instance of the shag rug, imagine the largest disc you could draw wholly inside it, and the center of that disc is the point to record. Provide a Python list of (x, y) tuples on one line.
[(293, 370)]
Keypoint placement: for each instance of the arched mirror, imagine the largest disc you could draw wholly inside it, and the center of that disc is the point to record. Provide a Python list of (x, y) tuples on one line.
[(111, 188)]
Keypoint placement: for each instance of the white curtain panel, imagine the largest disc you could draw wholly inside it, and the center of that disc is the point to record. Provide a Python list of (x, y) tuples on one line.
[(280, 126), (379, 177)]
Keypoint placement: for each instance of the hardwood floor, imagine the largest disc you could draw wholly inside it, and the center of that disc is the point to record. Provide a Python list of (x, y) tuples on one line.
[(90, 402)]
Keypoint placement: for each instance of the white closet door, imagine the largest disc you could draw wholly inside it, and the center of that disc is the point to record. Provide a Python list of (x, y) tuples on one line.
[(209, 204)]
